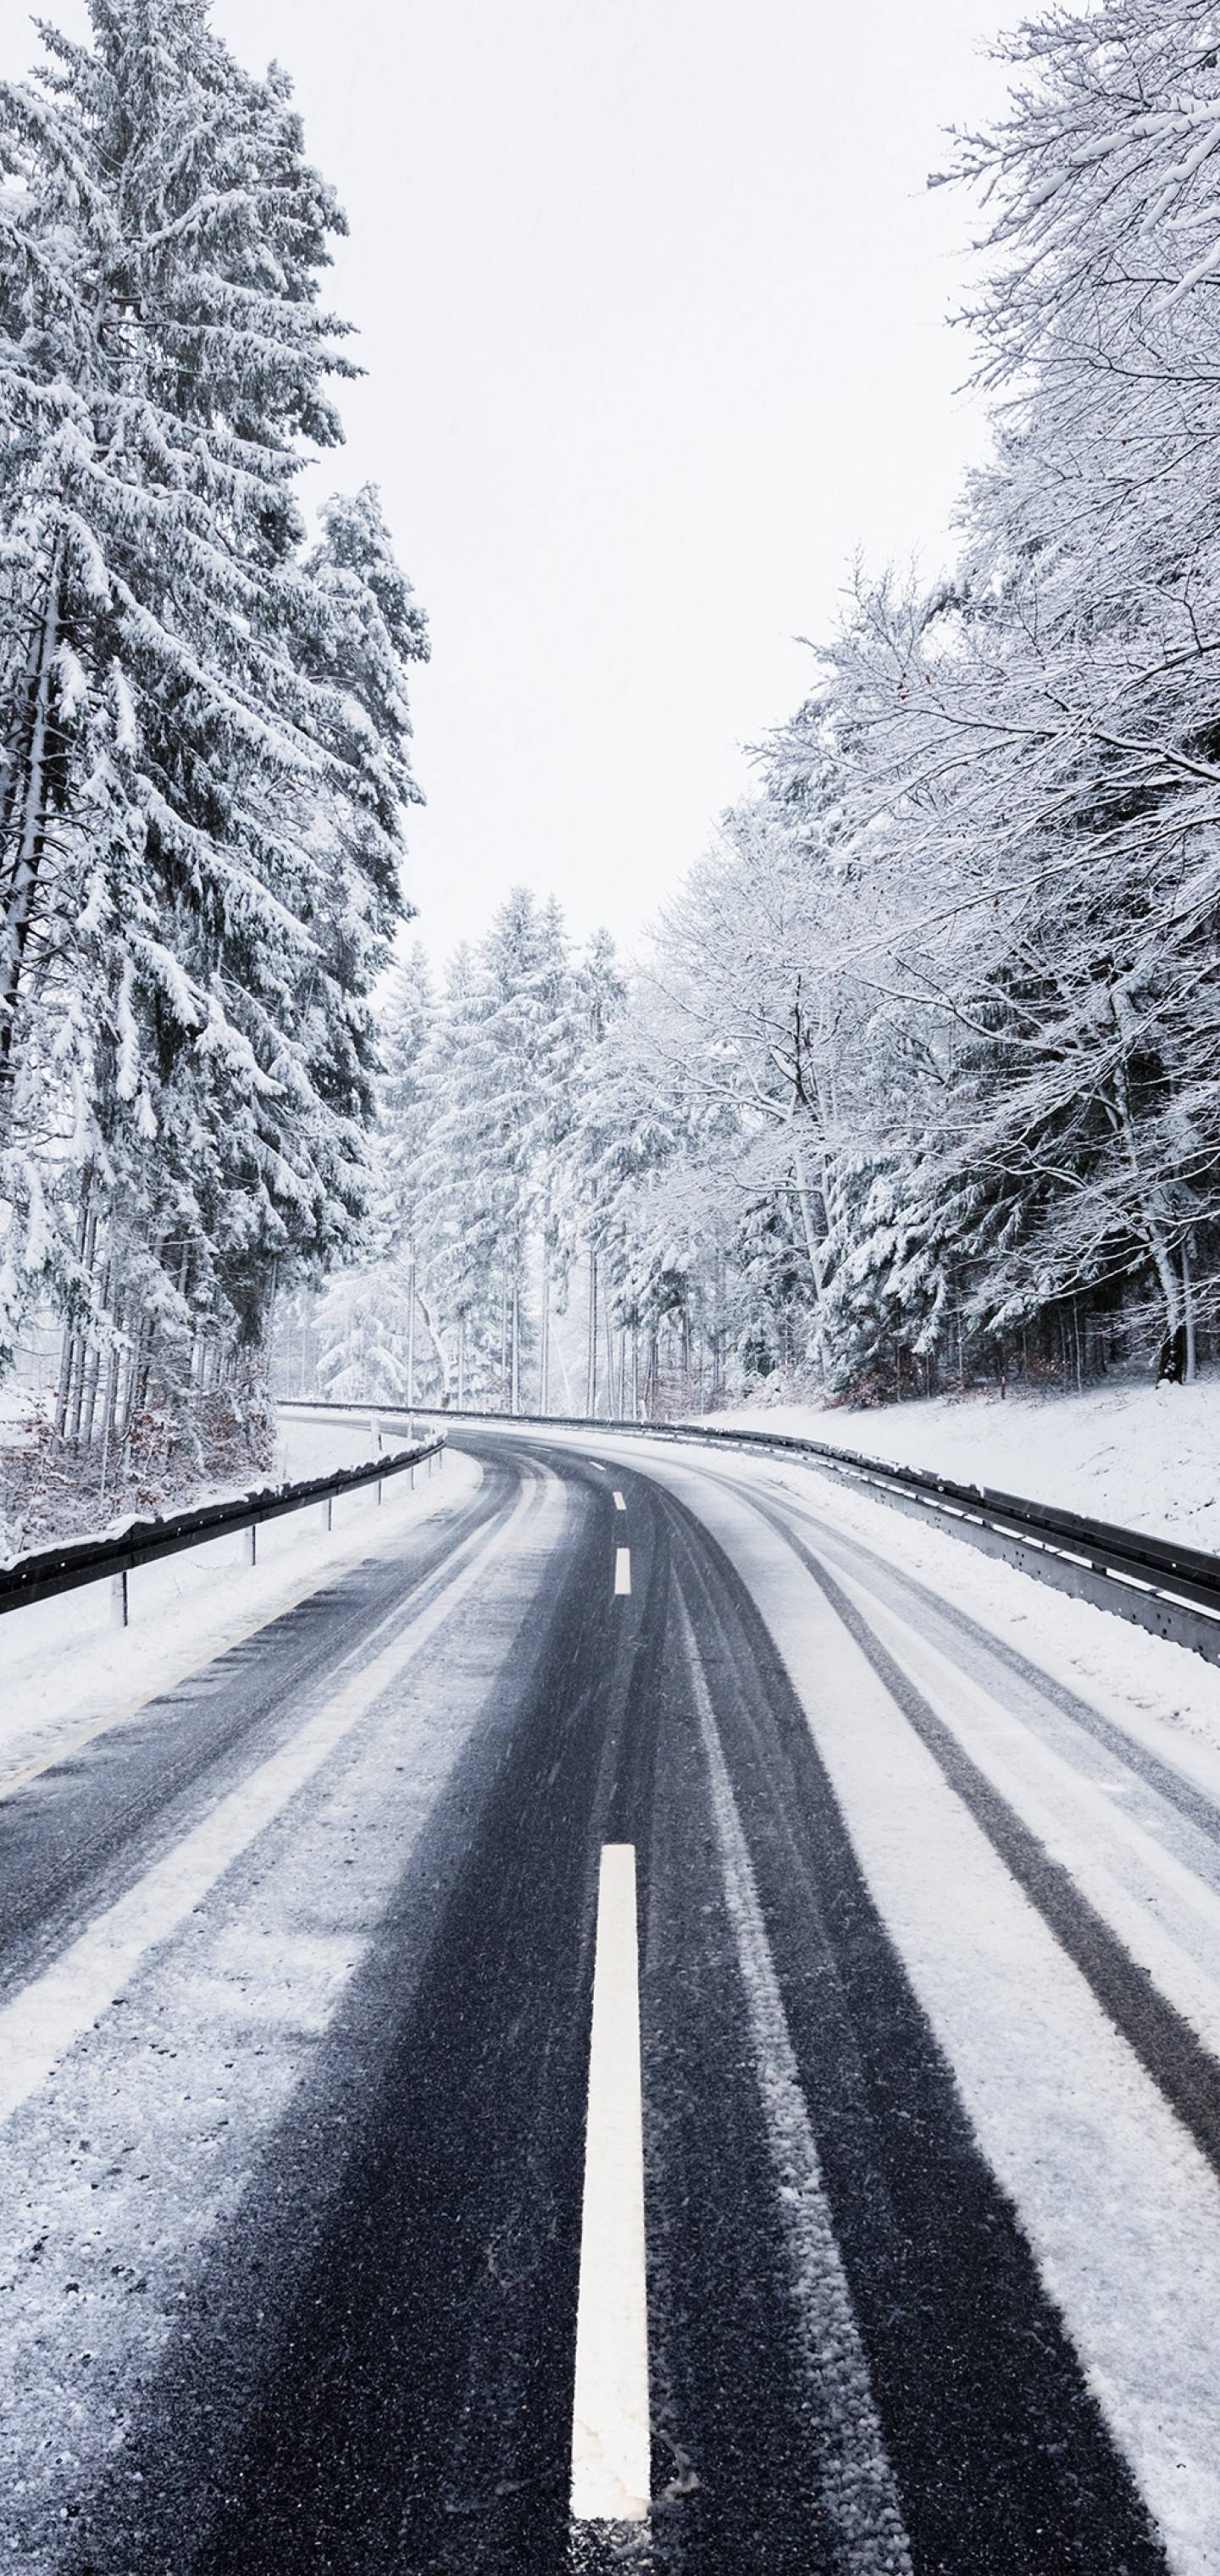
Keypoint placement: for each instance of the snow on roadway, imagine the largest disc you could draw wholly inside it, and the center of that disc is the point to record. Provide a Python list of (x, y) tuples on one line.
[(1163, 1694), (1119, 2205), (118, 2173), (66, 1671), (1123, 2214), (857, 2478)]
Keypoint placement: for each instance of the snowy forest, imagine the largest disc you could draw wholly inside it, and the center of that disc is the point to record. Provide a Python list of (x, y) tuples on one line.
[(914, 1082)]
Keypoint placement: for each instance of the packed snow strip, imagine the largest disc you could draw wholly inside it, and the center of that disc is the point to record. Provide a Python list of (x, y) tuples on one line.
[(1147, 1870), (119, 2175), (1151, 1876), (67, 1673), (1158, 1692), (854, 2472), (48, 2015), (1122, 2211)]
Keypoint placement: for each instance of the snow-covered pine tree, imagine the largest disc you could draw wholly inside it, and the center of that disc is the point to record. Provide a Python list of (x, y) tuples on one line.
[(560, 1049), (199, 815), (496, 1095), (525, 1060), (449, 1191), (377, 1322)]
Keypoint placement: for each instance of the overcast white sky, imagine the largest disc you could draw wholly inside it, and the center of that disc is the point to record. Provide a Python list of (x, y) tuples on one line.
[(651, 300)]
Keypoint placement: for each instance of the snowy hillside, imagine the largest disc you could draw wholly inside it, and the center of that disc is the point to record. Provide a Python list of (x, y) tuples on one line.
[(1148, 1457)]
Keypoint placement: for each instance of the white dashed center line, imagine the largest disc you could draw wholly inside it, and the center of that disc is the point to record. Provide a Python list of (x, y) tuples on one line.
[(619, 1504), (622, 1569), (610, 2428)]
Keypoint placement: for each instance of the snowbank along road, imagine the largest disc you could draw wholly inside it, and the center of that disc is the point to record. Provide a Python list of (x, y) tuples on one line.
[(627, 2034)]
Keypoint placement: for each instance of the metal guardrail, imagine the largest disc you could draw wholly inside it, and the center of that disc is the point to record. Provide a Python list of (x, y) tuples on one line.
[(1158, 1584), (92, 1560)]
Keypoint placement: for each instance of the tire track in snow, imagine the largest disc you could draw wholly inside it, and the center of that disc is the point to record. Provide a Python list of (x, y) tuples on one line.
[(1183, 2070), (904, 1590), (853, 2468)]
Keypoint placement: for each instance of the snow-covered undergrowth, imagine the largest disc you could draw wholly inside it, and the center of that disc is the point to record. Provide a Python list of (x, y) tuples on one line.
[(1146, 1457), (66, 1671), (47, 1493), (56, 1487)]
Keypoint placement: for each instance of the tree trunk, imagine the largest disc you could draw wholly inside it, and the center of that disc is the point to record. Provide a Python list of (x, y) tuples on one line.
[(566, 1375), (591, 1379), (1149, 1222), (25, 825), (815, 1251), (411, 1335), (1191, 1369), (82, 1359), (609, 1359), (544, 1347), (443, 1358)]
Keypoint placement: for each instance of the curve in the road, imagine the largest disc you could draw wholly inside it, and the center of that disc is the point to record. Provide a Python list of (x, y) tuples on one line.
[(860, 2359)]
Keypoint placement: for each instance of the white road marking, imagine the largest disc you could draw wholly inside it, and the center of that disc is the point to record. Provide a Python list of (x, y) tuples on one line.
[(45, 2018), (857, 2481), (611, 2444), (622, 1569), (619, 1504), (596, 1462)]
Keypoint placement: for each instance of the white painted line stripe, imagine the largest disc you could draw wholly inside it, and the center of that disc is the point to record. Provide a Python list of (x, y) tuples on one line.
[(611, 2466), (619, 1504), (45, 2018), (596, 1462), (622, 1569)]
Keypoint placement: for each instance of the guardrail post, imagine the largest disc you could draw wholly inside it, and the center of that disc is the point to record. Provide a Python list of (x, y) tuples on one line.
[(379, 1481), (118, 1600), (328, 1512), (250, 1550)]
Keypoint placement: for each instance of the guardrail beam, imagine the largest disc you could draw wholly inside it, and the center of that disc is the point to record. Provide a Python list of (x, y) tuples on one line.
[(66, 1568)]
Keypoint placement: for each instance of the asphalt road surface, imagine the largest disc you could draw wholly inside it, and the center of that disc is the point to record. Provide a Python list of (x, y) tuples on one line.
[(625, 2034)]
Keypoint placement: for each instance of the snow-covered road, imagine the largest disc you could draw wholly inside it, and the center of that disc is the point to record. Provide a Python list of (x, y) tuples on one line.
[(913, 2064)]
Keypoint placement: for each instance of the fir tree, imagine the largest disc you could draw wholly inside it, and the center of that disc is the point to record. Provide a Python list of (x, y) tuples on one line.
[(200, 816)]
